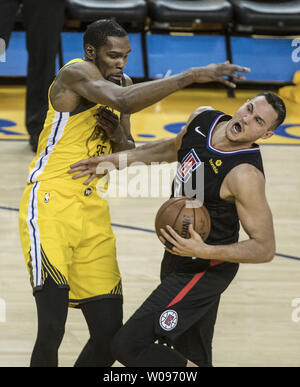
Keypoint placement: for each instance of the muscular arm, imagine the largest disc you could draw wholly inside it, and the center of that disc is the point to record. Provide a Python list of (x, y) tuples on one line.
[(246, 186), (127, 141), (85, 80)]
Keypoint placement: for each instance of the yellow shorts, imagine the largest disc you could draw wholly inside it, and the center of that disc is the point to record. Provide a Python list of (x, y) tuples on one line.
[(66, 234)]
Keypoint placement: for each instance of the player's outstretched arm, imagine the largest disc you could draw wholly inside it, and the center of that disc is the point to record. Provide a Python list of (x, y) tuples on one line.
[(156, 151), (246, 186), (85, 80)]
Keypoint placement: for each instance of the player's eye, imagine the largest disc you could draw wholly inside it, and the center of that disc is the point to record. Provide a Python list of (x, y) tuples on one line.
[(113, 55)]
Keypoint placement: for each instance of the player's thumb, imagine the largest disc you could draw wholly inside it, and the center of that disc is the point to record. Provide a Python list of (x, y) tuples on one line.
[(191, 230)]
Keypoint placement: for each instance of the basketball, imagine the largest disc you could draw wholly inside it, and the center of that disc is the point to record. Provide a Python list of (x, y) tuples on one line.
[(179, 213)]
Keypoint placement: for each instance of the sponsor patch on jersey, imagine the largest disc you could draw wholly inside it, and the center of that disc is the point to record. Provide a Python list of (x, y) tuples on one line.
[(168, 320), (215, 165), (189, 164)]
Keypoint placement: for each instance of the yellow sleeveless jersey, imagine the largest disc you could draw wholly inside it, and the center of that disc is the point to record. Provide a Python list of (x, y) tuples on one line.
[(65, 139)]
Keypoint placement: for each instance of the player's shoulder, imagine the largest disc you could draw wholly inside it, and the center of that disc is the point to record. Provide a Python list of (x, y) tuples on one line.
[(245, 178), (199, 110), (246, 171), (77, 71)]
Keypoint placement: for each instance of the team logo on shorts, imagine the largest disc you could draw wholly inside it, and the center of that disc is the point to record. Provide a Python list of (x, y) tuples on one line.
[(88, 191), (46, 198), (168, 320)]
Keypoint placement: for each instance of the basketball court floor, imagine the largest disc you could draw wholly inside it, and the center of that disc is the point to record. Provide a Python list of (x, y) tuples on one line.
[(259, 316)]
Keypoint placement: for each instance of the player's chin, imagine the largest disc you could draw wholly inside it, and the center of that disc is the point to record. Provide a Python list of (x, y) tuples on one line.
[(115, 80), (232, 136)]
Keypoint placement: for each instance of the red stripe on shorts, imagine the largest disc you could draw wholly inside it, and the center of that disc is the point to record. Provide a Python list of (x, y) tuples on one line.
[(186, 289), (215, 262)]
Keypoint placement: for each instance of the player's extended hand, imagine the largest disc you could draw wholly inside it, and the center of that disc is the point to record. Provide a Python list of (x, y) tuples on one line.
[(109, 123), (192, 247), (216, 72), (93, 167)]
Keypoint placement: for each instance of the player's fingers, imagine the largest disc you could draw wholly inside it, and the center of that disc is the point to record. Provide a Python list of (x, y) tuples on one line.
[(240, 69), (168, 237), (238, 76), (79, 163), (103, 168), (175, 235), (163, 241), (103, 112), (110, 116), (77, 169), (226, 82), (90, 179), (192, 232), (109, 125), (109, 119), (168, 246), (177, 251)]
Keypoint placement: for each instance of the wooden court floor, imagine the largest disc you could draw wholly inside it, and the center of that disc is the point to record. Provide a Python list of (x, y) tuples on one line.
[(258, 322)]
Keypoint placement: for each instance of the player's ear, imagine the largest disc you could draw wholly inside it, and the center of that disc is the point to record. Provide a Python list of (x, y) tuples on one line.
[(90, 52), (267, 135)]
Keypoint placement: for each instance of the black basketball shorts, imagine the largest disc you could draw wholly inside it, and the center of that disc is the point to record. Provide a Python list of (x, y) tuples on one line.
[(183, 299)]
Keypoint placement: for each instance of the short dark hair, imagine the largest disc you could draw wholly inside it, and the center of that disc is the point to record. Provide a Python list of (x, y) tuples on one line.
[(97, 32), (277, 104)]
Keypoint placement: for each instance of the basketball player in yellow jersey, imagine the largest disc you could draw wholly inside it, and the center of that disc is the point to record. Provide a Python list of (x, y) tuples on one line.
[(65, 227)]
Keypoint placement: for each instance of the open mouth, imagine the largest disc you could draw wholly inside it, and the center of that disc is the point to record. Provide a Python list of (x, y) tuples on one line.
[(237, 128)]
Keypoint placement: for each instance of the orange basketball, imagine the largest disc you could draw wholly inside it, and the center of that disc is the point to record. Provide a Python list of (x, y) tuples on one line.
[(179, 213)]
